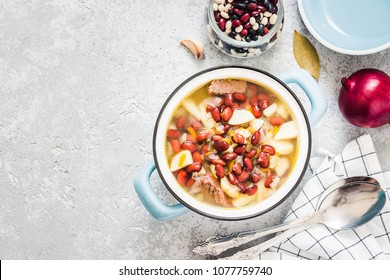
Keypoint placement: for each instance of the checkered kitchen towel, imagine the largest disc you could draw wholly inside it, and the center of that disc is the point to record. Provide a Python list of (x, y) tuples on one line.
[(371, 241)]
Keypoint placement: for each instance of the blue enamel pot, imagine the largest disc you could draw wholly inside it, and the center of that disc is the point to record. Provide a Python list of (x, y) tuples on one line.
[(161, 211)]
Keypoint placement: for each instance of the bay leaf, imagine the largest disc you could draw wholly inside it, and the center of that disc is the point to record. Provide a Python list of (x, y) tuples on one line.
[(306, 55)]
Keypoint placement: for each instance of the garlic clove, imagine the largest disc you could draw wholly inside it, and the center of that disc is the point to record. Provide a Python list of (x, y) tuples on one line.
[(195, 47)]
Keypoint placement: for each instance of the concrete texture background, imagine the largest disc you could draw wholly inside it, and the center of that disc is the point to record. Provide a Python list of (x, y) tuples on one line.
[(81, 85)]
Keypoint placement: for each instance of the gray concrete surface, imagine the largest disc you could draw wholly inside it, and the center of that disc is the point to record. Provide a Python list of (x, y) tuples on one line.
[(81, 84)]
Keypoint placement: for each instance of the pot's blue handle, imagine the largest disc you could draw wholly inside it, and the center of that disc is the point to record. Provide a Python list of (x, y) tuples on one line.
[(150, 200), (311, 88)]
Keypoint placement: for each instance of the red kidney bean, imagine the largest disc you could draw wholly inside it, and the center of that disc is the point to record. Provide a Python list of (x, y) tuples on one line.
[(195, 167), (269, 181), (209, 108), (264, 103), (242, 187), (251, 6), (253, 13), (261, 8), (175, 145), (235, 106), (240, 97), (243, 176), (239, 150), (190, 138), (196, 125), (251, 153), (196, 156), (237, 169), (222, 107), (217, 16), (217, 161), (187, 145), (229, 156), (266, 30), (245, 17), (226, 114), (226, 128), (252, 190), (244, 32), (232, 179), (216, 115), (229, 100), (205, 148), (255, 178), (180, 122), (247, 25), (182, 177), (219, 170), (190, 182), (255, 138), (268, 149), (173, 133), (263, 160), (237, 11), (222, 24), (248, 164), (221, 146), (216, 137), (277, 121), (256, 110), (202, 135), (240, 140), (236, 23)]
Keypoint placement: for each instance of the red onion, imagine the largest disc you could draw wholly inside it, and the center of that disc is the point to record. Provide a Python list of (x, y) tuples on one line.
[(364, 98)]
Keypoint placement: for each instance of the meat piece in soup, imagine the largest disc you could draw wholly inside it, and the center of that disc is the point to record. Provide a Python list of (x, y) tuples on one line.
[(232, 143)]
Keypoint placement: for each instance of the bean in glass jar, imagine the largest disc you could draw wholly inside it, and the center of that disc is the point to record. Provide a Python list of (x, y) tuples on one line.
[(245, 28)]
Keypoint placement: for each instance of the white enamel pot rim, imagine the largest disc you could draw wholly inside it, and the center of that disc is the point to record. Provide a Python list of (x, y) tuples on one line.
[(237, 72)]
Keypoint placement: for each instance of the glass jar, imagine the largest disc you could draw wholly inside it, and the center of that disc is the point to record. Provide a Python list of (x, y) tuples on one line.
[(241, 48)]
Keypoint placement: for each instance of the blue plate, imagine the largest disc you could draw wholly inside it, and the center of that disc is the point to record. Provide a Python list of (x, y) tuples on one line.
[(348, 26)]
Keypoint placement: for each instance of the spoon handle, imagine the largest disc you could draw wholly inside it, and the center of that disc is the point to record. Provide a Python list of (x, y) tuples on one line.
[(215, 245), (253, 252)]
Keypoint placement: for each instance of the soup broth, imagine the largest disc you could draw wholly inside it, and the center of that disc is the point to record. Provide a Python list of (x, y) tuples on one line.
[(231, 143)]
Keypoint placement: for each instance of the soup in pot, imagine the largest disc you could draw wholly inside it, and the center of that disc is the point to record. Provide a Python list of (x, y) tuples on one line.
[(231, 143)]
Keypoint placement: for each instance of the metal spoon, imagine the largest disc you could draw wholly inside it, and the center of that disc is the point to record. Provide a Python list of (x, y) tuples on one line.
[(347, 204)]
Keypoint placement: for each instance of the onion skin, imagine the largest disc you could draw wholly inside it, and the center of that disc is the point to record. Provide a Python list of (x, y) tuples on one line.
[(364, 98)]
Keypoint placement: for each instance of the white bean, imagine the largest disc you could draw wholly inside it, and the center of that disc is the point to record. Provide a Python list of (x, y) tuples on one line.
[(218, 1), (229, 24), (215, 7), (264, 20), (252, 21), (273, 19), (225, 15), (267, 14), (239, 29), (221, 8), (255, 26), (238, 37), (227, 7)]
